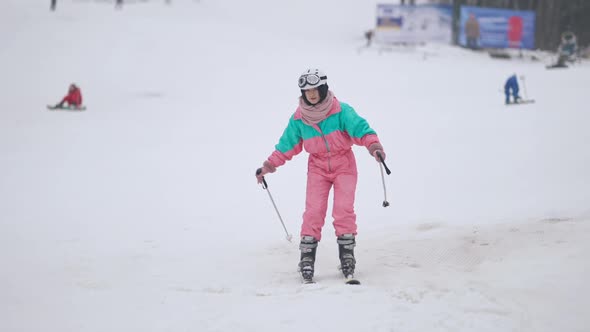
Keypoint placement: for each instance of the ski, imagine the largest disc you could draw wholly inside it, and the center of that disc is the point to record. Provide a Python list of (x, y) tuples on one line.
[(308, 281), (350, 280), (73, 109), (526, 101), (347, 281), (556, 66)]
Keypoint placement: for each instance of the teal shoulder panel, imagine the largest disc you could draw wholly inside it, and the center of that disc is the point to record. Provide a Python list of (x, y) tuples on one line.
[(291, 136), (354, 124)]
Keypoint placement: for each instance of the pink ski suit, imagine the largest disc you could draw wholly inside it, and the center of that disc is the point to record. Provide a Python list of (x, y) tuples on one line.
[(331, 163)]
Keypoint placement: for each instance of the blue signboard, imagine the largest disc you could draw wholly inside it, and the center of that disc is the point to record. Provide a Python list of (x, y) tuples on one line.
[(497, 28)]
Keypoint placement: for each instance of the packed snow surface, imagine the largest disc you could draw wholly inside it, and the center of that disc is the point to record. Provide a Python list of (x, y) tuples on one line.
[(142, 213)]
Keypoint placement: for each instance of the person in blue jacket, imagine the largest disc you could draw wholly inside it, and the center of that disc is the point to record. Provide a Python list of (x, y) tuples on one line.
[(511, 86)]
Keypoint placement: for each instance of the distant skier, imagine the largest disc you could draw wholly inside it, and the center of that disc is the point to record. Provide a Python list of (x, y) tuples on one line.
[(472, 32), (511, 88), (53, 4), (369, 37), (326, 128), (72, 99)]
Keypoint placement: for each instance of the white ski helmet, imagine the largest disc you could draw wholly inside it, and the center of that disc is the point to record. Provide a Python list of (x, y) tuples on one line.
[(312, 78)]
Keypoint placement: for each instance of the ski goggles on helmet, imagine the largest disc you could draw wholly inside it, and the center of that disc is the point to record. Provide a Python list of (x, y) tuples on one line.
[(312, 80)]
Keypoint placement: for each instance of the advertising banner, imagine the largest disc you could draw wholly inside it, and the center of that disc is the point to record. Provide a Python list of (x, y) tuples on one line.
[(414, 24), (497, 28)]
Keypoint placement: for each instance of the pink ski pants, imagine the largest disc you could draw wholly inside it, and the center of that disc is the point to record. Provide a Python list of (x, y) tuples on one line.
[(316, 203)]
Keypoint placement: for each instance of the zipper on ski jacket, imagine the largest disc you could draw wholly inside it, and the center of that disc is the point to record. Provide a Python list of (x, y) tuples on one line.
[(317, 127)]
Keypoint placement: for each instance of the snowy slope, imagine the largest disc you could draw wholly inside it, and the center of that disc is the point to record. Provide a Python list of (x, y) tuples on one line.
[(143, 214)]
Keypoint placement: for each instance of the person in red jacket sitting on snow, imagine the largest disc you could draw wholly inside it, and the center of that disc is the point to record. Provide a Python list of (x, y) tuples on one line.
[(73, 98)]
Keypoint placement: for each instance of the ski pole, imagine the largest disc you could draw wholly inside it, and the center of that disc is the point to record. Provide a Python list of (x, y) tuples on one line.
[(526, 95), (265, 187), (381, 165)]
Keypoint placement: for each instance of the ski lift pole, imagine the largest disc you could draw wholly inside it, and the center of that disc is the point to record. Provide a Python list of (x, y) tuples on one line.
[(265, 187), (381, 166)]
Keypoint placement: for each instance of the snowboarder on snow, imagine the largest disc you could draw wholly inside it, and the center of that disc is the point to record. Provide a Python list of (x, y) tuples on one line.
[(72, 99), (511, 87), (567, 50), (326, 128)]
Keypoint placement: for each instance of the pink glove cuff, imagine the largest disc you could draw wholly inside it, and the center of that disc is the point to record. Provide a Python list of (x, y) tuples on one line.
[(269, 167), (374, 147)]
